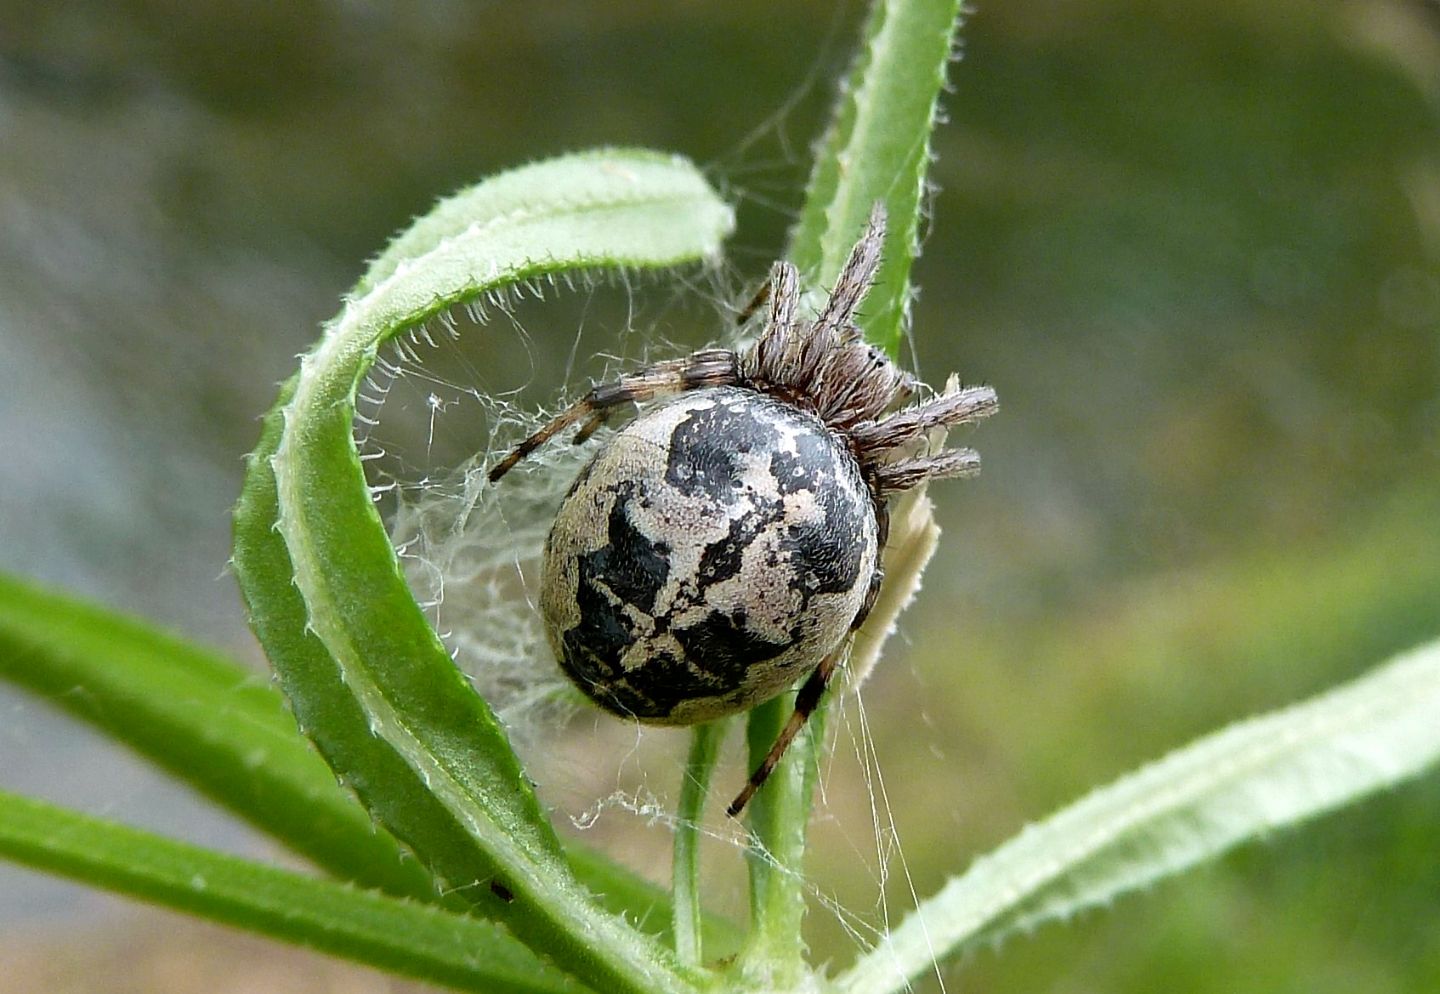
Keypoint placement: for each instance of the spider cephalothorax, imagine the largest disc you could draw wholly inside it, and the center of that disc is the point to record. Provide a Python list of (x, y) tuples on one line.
[(726, 542)]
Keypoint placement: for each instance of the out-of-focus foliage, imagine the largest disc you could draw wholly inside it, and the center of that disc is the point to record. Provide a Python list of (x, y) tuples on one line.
[(1193, 245)]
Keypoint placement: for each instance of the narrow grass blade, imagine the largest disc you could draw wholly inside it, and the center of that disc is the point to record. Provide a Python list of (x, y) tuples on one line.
[(402, 936), (220, 728), (1235, 785)]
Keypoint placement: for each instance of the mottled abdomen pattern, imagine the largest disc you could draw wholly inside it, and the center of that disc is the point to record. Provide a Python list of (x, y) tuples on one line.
[(713, 551)]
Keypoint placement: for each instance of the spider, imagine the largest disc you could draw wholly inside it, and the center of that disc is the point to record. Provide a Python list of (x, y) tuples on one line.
[(726, 541)]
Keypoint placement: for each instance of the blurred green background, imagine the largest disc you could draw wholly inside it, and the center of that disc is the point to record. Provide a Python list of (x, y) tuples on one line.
[(1195, 247)]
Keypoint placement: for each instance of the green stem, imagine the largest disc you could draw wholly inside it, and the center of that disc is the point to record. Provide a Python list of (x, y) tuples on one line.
[(774, 953), (705, 743), (877, 149)]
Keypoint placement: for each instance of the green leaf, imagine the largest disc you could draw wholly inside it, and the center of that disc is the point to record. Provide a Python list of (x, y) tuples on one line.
[(366, 675), (409, 938), (226, 731), (1235, 785), (877, 149)]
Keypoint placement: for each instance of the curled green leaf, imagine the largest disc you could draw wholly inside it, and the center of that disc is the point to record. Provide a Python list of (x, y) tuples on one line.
[(367, 677)]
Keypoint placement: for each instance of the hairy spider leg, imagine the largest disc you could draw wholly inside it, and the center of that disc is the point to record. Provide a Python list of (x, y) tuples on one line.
[(782, 290), (850, 288), (857, 274), (883, 435), (896, 477), (761, 298), (878, 441), (706, 368)]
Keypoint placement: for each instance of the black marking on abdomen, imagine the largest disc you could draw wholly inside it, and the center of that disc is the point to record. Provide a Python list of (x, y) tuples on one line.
[(726, 647), (630, 565), (703, 458), (826, 554), (723, 559), (664, 683)]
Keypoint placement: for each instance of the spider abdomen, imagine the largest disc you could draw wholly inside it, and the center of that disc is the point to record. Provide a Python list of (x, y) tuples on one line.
[(711, 553)]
